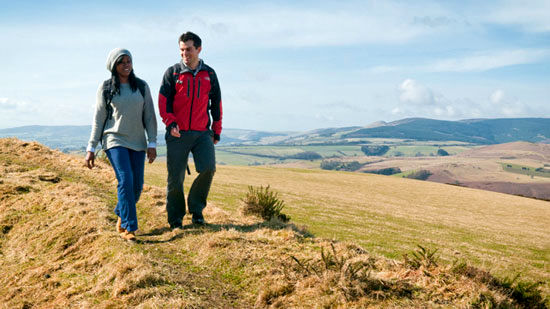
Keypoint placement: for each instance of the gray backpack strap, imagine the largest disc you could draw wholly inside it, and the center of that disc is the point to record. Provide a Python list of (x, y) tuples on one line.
[(108, 94)]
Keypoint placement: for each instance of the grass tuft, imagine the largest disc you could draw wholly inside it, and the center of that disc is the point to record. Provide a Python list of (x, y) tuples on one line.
[(264, 203), (349, 275), (422, 257)]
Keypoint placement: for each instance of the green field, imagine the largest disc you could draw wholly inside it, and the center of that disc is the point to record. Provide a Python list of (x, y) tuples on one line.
[(422, 150), (285, 151), (525, 170), (275, 154)]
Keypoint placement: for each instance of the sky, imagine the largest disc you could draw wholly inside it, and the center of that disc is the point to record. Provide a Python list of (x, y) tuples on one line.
[(286, 65)]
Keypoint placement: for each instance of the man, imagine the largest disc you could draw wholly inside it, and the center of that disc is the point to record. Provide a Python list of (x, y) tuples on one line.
[(189, 95)]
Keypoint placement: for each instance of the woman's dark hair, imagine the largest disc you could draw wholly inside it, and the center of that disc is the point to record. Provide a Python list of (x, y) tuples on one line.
[(115, 81)]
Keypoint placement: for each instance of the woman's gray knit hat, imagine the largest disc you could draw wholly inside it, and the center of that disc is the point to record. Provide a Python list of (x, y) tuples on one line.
[(114, 55)]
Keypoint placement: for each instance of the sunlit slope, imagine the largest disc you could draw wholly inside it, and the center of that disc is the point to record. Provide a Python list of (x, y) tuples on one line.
[(59, 249), (504, 233)]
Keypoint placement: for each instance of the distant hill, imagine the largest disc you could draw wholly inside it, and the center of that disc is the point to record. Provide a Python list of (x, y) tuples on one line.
[(75, 138), (475, 131)]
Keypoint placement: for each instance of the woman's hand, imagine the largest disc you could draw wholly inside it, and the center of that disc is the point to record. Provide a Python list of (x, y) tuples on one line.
[(151, 154), (90, 158)]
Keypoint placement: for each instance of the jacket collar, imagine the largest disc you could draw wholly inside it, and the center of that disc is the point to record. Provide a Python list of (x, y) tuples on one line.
[(184, 68)]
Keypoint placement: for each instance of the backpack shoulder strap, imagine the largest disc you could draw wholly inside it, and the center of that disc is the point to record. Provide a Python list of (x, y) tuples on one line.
[(108, 97), (141, 86), (108, 94)]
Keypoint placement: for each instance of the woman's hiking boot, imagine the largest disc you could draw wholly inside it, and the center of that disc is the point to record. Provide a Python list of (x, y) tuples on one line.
[(131, 236), (119, 228)]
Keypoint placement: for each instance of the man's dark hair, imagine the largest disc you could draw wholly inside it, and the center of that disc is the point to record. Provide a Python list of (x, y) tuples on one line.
[(190, 36)]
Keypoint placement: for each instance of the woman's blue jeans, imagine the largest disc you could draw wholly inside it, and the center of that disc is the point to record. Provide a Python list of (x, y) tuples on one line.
[(128, 165)]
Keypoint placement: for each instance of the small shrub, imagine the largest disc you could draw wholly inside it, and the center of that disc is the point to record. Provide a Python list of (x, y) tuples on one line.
[(330, 164), (442, 152), (306, 155), (526, 293), (264, 203), (420, 175), (484, 300), (375, 150), (386, 171), (341, 166), (351, 166)]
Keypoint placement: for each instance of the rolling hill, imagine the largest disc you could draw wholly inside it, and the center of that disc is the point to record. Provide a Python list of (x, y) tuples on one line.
[(483, 168), (476, 131), (59, 248), (473, 131)]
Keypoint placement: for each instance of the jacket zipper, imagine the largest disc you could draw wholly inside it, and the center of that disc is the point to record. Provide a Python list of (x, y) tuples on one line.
[(199, 90), (191, 107)]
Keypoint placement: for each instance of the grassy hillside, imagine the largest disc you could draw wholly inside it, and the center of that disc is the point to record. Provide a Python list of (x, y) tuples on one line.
[(390, 216), (59, 248)]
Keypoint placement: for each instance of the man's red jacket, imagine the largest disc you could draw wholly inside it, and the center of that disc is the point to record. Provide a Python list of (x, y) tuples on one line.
[(188, 98)]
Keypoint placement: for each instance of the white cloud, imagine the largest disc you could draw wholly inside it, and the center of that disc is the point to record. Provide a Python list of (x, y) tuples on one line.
[(418, 100), (278, 26), (478, 62), (381, 69), (507, 105), (497, 96), (484, 61), (533, 15), (9, 104), (415, 93)]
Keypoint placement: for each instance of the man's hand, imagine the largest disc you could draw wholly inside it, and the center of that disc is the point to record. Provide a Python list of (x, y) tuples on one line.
[(175, 132), (151, 154), (90, 157), (215, 141)]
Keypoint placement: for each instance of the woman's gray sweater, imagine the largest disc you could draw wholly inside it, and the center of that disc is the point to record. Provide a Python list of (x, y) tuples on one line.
[(132, 116)]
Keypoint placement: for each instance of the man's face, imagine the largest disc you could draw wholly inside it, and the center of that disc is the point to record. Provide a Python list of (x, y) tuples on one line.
[(189, 53)]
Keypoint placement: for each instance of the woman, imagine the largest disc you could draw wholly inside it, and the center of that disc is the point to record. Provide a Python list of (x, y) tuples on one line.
[(124, 113)]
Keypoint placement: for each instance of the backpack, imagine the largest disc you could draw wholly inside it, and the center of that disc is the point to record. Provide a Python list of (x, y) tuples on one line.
[(109, 93)]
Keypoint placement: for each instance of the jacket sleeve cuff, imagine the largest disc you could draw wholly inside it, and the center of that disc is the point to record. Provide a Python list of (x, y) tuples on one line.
[(217, 137), (90, 149), (152, 145), (172, 125)]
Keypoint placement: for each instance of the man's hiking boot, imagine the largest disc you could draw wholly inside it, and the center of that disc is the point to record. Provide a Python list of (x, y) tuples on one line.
[(119, 228), (176, 227), (198, 220), (131, 236)]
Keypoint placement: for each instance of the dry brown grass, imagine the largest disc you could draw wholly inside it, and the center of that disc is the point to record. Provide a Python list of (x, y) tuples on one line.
[(59, 249)]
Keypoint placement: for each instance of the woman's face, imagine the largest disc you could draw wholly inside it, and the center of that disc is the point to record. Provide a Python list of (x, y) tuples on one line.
[(124, 67)]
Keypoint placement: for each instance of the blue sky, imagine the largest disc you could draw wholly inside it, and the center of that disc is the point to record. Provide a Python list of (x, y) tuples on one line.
[(286, 65)]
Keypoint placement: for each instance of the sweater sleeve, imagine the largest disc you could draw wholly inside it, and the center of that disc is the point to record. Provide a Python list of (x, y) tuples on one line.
[(149, 117), (99, 119)]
